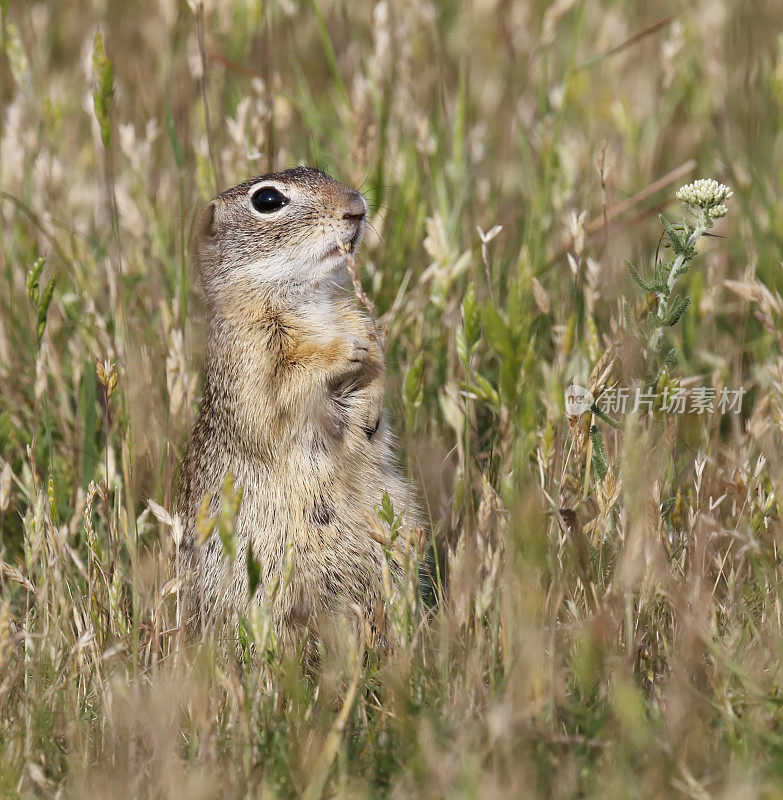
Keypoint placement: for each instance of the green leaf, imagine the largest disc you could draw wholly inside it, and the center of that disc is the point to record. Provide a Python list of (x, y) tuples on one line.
[(33, 277), (231, 502), (104, 87), (385, 511), (253, 572), (678, 307), (496, 330), (173, 138), (227, 538), (679, 243), (462, 346), (681, 270), (600, 459), (245, 634), (470, 316), (602, 415), (43, 308), (88, 395), (661, 343), (412, 390), (667, 506), (643, 285), (628, 318), (486, 390), (661, 274), (509, 378), (52, 500)]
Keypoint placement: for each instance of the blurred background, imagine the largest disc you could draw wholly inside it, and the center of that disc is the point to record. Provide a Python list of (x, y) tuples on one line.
[(611, 635)]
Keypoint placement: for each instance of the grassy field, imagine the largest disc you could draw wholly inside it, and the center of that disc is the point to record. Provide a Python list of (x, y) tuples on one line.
[(609, 624)]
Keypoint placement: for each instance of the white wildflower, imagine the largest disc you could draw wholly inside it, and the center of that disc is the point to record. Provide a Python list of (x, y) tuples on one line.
[(705, 196)]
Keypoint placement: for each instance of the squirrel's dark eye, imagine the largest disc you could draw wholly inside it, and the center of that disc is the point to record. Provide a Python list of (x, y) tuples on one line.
[(267, 199)]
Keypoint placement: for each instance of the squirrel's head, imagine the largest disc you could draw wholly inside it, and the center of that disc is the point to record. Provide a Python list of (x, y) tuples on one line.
[(286, 230)]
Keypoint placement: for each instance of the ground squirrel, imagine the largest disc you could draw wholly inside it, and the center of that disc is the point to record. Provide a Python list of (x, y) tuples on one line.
[(292, 409)]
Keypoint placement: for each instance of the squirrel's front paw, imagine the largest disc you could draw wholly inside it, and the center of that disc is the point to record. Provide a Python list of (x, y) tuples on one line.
[(358, 352), (360, 369)]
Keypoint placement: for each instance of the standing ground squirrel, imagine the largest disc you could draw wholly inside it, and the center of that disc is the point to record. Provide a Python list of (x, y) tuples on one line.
[(292, 411)]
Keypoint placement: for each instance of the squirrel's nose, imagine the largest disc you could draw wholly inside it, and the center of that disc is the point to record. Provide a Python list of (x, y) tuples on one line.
[(355, 206)]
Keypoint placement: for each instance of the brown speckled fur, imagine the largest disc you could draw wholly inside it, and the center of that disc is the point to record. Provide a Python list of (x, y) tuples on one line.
[(292, 409)]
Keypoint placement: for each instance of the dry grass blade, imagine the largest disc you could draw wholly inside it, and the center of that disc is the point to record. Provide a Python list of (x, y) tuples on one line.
[(315, 788), (361, 295), (15, 575)]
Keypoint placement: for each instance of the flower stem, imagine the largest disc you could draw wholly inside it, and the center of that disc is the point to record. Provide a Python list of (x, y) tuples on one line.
[(674, 272)]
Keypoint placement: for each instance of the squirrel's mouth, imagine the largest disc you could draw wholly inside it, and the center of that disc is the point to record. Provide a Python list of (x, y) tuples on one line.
[(339, 251), (344, 248), (347, 247)]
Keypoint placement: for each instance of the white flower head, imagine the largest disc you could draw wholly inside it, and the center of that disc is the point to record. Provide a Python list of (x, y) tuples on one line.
[(705, 196)]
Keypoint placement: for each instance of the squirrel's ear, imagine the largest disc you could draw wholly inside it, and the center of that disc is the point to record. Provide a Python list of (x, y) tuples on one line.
[(208, 222)]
